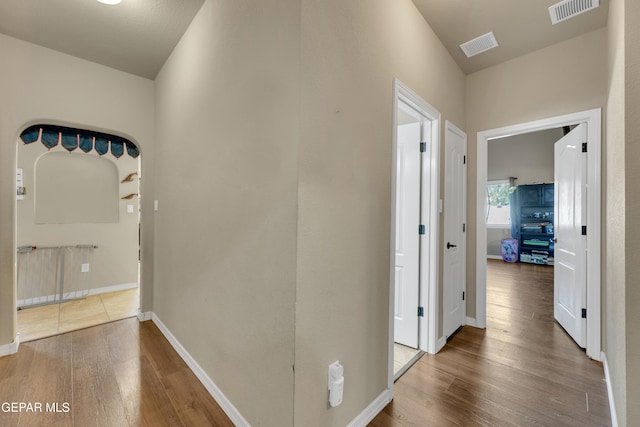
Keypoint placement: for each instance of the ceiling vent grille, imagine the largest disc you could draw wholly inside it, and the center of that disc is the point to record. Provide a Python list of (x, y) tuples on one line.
[(479, 45), (569, 8)]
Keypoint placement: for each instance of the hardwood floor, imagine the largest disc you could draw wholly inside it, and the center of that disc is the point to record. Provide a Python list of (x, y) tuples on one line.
[(123, 373), (523, 370)]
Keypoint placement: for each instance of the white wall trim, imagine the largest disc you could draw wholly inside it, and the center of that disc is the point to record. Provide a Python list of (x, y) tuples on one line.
[(494, 257), (612, 405), (442, 341), (11, 348), (593, 119), (429, 254), (471, 322), (144, 316), (374, 408), (206, 381), (75, 294), (114, 288)]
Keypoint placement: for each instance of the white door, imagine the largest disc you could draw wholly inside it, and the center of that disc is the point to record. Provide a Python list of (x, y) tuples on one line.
[(454, 229), (570, 282), (407, 237)]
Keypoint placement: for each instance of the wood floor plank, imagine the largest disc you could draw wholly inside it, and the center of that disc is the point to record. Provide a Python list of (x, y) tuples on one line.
[(118, 374), (97, 397), (145, 399), (192, 401), (49, 383), (523, 370)]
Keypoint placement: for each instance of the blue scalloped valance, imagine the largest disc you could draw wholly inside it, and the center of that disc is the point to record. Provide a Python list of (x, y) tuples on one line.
[(71, 138)]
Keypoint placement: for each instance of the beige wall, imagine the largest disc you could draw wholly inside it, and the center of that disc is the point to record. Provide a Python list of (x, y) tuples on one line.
[(615, 235), (227, 126), (115, 261), (632, 207), (301, 251), (41, 85), (528, 157), (564, 78), (351, 51)]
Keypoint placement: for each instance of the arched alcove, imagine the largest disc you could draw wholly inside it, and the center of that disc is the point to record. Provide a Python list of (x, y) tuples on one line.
[(78, 222), (75, 189)]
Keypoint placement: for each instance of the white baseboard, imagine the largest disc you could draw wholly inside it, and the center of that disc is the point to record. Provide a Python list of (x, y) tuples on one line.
[(114, 288), (144, 316), (206, 381), (75, 294), (442, 341), (472, 322), (494, 257), (612, 405), (11, 348), (374, 408)]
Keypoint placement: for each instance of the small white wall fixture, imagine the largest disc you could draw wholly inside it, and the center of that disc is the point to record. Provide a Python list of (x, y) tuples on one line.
[(429, 216), (593, 120)]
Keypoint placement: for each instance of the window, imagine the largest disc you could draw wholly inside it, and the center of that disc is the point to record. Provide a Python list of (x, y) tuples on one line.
[(498, 207)]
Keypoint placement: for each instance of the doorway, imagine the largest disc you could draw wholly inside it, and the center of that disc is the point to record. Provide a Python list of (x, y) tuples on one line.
[(77, 229), (589, 122), (414, 227)]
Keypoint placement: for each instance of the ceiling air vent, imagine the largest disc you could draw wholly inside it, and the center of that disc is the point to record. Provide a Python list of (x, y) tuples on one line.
[(479, 45), (569, 8)]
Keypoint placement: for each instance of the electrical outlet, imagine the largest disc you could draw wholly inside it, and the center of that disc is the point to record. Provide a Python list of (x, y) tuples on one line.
[(84, 268)]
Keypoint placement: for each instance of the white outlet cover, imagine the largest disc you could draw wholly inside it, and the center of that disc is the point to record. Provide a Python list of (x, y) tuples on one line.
[(84, 268)]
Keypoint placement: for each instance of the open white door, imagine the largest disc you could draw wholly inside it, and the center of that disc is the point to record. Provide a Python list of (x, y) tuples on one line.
[(570, 284), (454, 229), (407, 237)]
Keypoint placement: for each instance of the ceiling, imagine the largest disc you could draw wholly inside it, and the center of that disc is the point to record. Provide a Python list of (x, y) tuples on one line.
[(520, 26), (137, 36)]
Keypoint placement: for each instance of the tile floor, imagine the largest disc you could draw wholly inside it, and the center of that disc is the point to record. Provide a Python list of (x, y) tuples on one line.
[(48, 320), (401, 356)]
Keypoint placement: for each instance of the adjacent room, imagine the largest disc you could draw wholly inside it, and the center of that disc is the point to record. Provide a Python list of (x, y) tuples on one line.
[(77, 230)]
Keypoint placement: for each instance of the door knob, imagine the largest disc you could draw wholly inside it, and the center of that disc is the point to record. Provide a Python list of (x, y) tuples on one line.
[(449, 246)]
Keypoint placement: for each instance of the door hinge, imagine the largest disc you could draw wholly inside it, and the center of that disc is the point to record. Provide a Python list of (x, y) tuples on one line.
[(464, 228), (423, 147), (464, 160), (420, 311), (584, 230), (584, 313), (462, 295), (422, 229), (584, 147)]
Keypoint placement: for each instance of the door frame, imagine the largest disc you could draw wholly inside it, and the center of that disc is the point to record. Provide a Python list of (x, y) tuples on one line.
[(451, 128), (593, 119), (429, 215)]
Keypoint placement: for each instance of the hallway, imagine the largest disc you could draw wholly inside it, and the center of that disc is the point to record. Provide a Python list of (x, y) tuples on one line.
[(522, 370)]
